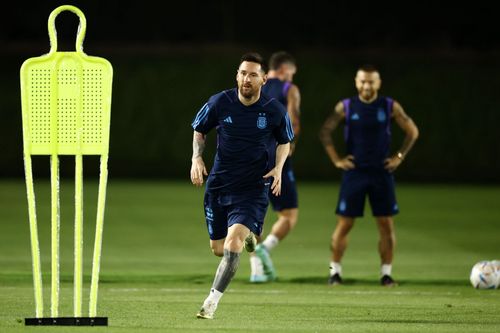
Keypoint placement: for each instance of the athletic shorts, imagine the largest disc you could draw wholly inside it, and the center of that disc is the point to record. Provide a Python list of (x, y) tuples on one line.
[(289, 197), (378, 184), (222, 210)]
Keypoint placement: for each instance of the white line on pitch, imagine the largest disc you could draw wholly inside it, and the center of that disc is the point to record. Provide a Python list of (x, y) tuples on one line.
[(352, 292)]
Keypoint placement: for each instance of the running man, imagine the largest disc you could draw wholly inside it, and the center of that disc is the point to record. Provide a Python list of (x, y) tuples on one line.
[(236, 195)]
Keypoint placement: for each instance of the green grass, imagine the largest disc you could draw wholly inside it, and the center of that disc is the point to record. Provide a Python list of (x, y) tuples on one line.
[(157, 267)]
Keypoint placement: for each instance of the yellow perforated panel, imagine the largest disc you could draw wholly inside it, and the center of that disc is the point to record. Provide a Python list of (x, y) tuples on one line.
[(66, 104), (39, 104), (92, 105)]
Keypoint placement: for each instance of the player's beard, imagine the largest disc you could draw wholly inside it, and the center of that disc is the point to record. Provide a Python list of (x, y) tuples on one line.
[(248, 92), (367, 94)]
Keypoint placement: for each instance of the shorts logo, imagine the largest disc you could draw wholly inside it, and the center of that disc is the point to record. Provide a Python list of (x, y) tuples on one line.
[(381, 117), (342, 205), (262, 121), (209, 215)]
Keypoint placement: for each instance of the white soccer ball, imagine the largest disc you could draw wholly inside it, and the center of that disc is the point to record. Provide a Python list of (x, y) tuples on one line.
[(484, 275)]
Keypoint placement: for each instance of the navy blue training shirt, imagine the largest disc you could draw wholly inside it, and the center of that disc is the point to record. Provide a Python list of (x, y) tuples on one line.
[(279, 90), (243, 133), (367, 130)]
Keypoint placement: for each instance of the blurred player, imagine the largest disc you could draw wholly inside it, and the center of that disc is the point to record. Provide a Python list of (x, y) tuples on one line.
[(368, 167), (236, 195), (282, 68)]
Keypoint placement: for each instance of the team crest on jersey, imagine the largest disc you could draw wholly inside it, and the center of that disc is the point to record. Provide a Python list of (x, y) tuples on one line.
[(381, 115), (262, 121)]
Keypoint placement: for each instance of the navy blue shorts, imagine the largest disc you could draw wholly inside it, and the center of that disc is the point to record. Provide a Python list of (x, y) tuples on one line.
[(288, 198), (378, 184), (222, 210)]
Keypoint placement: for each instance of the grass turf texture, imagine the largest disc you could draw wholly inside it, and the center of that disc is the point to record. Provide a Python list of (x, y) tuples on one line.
[(157, 267)]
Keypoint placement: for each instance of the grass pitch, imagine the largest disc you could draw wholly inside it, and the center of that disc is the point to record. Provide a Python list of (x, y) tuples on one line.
[(157, 267)]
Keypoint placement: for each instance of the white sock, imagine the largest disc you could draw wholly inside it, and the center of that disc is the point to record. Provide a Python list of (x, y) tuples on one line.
[(214, 296), (386, 269), (270, 242), (335, 268), (256, 266)]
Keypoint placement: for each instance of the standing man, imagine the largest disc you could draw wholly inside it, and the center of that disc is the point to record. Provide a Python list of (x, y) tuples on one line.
[(282, 68), (368, 167), (237, 188)]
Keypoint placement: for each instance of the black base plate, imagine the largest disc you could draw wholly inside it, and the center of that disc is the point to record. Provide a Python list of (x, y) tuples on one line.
[(67, 321)]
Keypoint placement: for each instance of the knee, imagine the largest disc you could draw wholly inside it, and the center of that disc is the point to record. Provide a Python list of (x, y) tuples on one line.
[(217, 249), (339, 235), (343, 228), (292, 220), (384, 220), (218, 252), (233, 245), (385, 225)]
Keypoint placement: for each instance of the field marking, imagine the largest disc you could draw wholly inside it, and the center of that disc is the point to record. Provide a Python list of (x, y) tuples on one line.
[(238, 291), (195, 290)]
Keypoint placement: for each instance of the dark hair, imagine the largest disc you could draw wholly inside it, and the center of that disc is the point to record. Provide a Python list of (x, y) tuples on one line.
[(368, 68), (279, 58), (253, 57)]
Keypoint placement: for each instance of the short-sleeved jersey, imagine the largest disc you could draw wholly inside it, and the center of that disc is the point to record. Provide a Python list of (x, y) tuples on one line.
[(367, 130), (278, 90), (243, 133)]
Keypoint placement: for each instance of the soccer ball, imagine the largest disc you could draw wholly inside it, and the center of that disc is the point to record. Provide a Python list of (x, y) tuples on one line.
[(484, 275)]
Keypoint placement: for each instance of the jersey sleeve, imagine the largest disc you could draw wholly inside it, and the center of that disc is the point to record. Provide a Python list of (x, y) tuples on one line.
[(205, 119), (283, 133)]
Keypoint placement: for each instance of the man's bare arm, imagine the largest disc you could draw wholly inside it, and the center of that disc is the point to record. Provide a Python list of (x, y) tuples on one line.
[(407, 125), (198, 144), (293, 108), (282, 152), (198, 169), (325, 135), (411, 130)]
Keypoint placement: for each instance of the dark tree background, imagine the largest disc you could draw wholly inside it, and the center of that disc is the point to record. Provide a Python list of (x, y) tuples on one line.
[(440, 61)]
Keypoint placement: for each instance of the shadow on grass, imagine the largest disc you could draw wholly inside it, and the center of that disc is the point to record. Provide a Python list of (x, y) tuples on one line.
[(322, 280)]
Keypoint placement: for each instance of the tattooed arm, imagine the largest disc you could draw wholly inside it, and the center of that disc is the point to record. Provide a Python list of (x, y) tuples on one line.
[(198, 169), (325, 135)]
